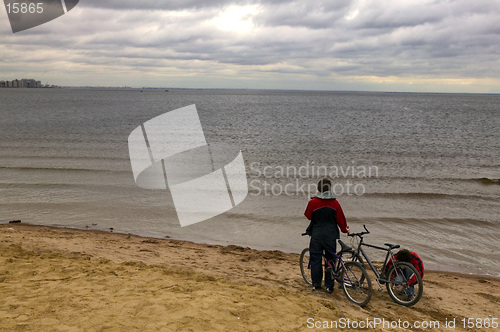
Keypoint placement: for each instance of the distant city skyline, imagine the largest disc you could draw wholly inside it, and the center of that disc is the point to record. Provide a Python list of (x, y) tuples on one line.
[(363, 45), (21, 83)]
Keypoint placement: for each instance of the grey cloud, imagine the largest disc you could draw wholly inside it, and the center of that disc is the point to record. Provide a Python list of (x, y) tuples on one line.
[(154, 4), (312, 15), (438, 38), (203, 4)]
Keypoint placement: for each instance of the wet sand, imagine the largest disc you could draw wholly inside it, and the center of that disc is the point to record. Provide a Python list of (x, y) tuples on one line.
[(57, 279)]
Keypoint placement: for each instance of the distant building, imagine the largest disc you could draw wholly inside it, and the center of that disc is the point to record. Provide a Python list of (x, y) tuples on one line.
[(23, 83), (27, 83)]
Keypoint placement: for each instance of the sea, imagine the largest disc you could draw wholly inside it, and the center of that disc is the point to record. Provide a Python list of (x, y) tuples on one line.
[(417, 169)]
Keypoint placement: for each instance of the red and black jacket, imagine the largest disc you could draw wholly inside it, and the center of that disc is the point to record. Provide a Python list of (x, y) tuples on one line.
[(326, 217), (415, 261)]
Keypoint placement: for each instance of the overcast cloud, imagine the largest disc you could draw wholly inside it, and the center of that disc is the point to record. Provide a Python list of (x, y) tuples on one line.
[(386, 45)]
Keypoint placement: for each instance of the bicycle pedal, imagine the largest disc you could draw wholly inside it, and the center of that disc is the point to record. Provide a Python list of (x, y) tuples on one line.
[(380, 289)]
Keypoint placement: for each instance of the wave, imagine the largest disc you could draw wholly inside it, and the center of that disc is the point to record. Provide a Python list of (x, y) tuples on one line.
[(487, 181), (88, 186), (306, 191), (62, 169), (421, 221), (431, 195), (285, 177), (44, 157), (483, 180)]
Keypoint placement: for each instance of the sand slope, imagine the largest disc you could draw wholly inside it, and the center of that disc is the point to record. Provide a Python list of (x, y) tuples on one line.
[(54, 279)]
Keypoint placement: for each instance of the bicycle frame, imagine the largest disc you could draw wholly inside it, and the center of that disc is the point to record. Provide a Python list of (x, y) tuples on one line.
[(388, 257), (336, 266)]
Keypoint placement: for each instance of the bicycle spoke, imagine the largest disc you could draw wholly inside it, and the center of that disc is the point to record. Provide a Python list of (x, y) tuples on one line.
[(356, 283)]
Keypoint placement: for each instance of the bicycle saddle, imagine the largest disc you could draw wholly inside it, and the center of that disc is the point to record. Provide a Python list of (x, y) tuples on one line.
[(344, 246), (392, 246)]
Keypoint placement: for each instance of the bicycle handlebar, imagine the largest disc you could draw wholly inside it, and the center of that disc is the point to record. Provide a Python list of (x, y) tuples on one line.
[(360, 234), (351, 234)]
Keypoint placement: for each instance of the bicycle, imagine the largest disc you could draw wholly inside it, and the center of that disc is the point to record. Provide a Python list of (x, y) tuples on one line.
[(353, 277), (403, 281)]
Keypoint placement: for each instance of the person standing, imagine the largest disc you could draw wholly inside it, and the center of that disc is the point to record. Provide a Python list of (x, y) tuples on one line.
[(326, 218)]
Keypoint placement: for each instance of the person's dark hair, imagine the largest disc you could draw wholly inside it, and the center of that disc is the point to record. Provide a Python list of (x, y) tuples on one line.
[(324, 185), (404, 255)]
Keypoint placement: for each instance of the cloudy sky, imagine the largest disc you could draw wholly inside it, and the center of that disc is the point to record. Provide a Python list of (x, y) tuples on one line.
[(375, 45)]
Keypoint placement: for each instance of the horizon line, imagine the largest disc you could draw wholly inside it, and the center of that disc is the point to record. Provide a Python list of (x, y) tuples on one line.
[(267, 89)]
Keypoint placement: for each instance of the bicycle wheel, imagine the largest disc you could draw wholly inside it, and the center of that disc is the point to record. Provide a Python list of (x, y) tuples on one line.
[(356, 283), (404, 284), (305, 267)]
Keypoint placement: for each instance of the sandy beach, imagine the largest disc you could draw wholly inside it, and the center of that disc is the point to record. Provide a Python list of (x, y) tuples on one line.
[(58, 279)]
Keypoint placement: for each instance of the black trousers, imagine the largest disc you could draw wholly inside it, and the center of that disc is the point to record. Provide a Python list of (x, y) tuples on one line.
[(318, 248)]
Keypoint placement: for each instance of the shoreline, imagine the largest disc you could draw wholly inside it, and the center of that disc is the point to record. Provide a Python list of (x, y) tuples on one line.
[(70, 279), (161, 236)]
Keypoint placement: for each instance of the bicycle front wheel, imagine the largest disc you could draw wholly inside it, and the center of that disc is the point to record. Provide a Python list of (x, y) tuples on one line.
[(356, 283), (404, 284)]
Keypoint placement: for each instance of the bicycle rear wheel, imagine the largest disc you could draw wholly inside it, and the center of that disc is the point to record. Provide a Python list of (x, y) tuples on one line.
[(356, 283), (305, 266), (404, 284)]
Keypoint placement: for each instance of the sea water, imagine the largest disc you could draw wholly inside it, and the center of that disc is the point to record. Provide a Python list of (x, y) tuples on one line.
[(419, 170)]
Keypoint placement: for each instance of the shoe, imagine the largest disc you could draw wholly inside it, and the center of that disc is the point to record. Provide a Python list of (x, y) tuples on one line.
[(315, 288), (329, 290), (408, 292)]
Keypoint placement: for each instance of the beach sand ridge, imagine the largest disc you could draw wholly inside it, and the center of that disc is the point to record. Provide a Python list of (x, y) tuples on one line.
[(59, 279)]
